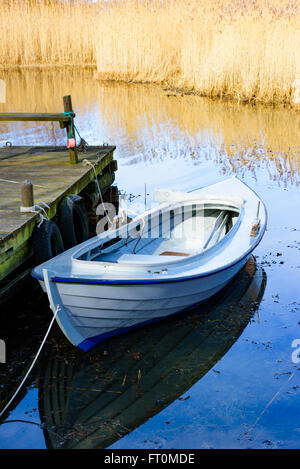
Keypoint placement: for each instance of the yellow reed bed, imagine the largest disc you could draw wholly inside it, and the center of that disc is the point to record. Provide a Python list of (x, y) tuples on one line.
[(242, 49)]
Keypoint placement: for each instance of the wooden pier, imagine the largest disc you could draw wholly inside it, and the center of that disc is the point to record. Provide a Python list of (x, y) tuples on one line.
[(55, 173)]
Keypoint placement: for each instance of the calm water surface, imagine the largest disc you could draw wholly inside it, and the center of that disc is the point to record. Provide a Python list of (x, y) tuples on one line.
[(219, 377)]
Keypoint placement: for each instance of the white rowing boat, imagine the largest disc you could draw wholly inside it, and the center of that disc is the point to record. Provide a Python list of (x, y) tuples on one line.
[(167, 260)]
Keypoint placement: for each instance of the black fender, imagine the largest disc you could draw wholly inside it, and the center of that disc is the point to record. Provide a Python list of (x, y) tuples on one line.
[(73, 221), (47, 241)]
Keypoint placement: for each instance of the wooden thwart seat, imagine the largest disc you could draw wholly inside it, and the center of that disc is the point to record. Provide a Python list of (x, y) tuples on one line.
[(173, 253)]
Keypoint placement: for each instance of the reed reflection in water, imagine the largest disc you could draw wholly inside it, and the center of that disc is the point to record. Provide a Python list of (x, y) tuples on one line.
[(150, 124)]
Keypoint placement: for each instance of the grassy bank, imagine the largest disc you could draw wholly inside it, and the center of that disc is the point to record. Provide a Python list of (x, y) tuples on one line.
[(241, 49)]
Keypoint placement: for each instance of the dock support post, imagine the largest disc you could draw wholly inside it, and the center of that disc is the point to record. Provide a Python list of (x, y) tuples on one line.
[(26, 196), (67, 100)]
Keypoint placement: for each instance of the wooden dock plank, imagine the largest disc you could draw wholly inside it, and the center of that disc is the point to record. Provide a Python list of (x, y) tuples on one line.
[(8, 152), (36, 117), (53, 178)]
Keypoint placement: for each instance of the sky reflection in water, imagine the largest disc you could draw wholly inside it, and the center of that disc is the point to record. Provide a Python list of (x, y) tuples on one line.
[(251, 396)]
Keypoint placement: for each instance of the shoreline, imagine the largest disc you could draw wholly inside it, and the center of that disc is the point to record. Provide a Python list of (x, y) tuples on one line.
[(171, 90)]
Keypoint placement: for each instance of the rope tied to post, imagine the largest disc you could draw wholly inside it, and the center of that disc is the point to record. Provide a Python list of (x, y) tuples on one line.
[(28, 205), (71, 116)]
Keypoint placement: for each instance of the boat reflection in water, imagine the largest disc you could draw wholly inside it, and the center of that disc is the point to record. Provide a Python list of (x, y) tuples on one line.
[(91, 400)]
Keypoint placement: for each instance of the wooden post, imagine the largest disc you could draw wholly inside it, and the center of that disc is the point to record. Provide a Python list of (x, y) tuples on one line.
[(67, 100), (26, 196)]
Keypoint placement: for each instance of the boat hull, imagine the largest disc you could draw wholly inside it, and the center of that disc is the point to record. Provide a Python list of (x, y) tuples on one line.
[(90, 313), (100, 397)]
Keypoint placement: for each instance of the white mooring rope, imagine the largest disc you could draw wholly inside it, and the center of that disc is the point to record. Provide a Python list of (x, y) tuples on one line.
[(89, 163), (32, 364), (19, 182), (37, 208)]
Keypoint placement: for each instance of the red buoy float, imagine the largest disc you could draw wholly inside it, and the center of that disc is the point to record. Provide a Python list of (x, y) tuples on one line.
[(71, 143)]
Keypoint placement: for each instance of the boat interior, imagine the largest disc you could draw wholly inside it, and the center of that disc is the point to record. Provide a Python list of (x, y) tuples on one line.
[(176, 233)]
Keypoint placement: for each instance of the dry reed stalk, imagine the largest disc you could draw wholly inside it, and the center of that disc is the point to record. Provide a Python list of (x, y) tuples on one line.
[(242, 49), (245, 49)]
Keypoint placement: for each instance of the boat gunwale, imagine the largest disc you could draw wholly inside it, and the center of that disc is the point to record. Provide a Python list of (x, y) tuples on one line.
[(146, 281), (149, 281)]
